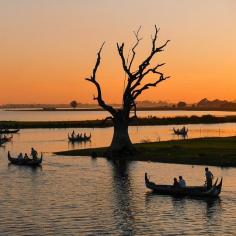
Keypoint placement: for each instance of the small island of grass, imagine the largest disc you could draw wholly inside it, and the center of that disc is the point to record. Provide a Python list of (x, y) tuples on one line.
[(219, 151), (142, 121)]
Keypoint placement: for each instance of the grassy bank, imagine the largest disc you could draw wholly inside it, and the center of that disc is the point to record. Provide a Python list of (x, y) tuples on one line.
[(201, 151), (179, 120)]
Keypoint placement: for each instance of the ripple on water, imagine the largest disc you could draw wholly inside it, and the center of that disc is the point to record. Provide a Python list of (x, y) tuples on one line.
[(81, 196)]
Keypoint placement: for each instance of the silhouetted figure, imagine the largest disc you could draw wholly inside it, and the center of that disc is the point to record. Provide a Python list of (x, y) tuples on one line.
[(209, 178), (175, 184), (20, 156), (182, 182), (26, 157), (34, 153)]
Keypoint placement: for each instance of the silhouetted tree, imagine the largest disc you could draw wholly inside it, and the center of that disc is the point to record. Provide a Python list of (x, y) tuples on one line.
[(73, 104), (181, 104), (135, 86)]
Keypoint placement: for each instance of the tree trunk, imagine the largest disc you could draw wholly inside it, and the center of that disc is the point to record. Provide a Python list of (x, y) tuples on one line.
[(121, 144)]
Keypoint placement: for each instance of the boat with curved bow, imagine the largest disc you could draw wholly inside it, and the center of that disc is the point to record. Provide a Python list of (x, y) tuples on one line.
[(183, 131), (79, 138), (192, 191), (25, 162), (6, 139), (9, 131)]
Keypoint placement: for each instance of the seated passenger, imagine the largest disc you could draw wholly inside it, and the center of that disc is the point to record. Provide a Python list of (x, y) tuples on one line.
[(26, 156), (20, 156), (182, 182), (175, 184)]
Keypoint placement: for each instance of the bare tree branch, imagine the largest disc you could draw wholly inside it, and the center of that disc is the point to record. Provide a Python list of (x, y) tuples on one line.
[(153, 70), (137, 92), (140, 74), (136, 34), (136, 78), (120, 49), (93, 80)]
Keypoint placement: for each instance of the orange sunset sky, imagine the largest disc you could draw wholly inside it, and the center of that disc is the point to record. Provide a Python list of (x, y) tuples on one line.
[(48, 47)]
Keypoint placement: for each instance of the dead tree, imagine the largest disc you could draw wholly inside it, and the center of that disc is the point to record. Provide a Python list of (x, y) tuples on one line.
[(121, 144)]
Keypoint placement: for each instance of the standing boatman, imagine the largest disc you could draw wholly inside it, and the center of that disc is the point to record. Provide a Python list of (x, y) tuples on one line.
[(209, 178)]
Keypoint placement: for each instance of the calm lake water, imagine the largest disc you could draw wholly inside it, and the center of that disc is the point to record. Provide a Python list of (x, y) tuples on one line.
[(85, 196), (93, 115)]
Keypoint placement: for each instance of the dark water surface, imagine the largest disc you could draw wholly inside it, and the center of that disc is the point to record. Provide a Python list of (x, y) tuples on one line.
[(85, 196)]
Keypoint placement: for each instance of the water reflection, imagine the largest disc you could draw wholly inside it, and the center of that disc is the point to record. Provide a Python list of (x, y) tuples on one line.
[(213, 207), (79, 145), (31, 169), (122, 195), (85, 196)]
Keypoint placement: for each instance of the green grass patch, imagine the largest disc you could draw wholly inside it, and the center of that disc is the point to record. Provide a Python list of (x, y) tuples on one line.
[(153, 120), (200, 151)]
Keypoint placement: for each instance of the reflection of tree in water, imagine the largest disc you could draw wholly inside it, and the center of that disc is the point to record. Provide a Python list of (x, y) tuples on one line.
[(122, 197)]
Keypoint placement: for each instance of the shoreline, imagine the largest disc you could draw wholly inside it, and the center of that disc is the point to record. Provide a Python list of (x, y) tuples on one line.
[(220, 151), (152, 120), (138, 109)]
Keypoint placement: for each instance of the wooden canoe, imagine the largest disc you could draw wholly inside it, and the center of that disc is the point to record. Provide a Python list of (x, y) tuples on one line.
[(192, 191), (25, 162)]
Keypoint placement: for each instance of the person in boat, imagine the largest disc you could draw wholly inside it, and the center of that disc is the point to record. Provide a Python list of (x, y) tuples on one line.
[(73, 134), (209, 178), (85, 136), (34, 153), (26, 157), (182, 183), (20, 156), (176, 183)]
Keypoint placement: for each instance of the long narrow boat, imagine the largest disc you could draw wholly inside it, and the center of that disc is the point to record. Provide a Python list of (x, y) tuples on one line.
[(192, 191), (79, 138), (25, 162), (182, 132), (2, 142), (9, 131), (6, 139)]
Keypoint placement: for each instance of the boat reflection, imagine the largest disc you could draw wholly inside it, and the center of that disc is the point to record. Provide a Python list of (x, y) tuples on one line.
[(210, 206), (78, 145), (33, 169)]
